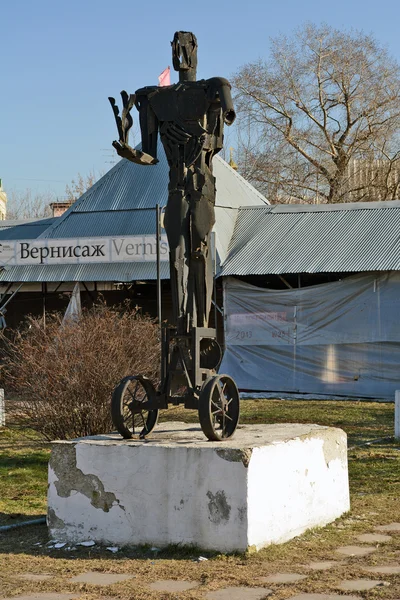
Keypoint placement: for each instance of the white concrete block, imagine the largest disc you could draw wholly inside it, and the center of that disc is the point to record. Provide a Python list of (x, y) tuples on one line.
[(397, 414), (267, 484)]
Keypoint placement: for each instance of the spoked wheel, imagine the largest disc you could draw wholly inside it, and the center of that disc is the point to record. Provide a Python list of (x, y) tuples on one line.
[(127, 412), (219, 407)]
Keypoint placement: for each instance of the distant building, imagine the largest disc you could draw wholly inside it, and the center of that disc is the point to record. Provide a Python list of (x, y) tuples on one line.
[(3, 203), (59, 208), (372, 180)]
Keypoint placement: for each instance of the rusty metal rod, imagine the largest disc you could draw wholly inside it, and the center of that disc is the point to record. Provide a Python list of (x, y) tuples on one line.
[(158, 236)]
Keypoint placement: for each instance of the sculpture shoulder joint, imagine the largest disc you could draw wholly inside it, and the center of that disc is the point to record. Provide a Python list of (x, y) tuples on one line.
[(218, 82), (146, 91), (219, 87)]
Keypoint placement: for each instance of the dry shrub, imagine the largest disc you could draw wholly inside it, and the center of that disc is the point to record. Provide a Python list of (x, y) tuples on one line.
[(64, 375)]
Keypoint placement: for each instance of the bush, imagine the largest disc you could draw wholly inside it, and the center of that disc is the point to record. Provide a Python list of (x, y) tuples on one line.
[(64, 375)]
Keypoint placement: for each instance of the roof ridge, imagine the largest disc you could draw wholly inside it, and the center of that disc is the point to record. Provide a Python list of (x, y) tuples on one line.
[(243, 180), (334, 207)]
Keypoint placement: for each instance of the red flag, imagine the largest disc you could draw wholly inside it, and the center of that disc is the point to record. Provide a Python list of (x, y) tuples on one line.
[(164, 78)]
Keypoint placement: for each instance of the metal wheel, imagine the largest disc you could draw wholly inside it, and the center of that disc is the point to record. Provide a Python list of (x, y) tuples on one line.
[(127, 412), (219, 407)]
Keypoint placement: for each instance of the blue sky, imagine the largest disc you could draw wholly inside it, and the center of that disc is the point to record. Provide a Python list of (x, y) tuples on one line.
[(60, 60)]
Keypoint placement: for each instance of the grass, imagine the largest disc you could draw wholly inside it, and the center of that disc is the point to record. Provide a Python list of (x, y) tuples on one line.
[(374, 470), (362, 421), (23, 475)]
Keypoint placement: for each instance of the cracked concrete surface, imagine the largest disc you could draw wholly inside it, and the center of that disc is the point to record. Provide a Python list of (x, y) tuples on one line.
[(176, 487), (71, 479), (235, 455), (53, 521)]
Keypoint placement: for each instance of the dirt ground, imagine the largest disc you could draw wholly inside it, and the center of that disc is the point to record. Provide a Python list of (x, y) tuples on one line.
[(374, 468)]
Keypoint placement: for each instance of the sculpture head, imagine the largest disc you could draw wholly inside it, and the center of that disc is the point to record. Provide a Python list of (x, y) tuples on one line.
[(184, 55)]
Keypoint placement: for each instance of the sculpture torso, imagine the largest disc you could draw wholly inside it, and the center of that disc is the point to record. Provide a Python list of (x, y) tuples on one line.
[(188, 114)]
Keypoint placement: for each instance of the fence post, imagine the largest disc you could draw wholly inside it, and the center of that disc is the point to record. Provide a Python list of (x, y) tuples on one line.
[(397, 414), (2, 409)]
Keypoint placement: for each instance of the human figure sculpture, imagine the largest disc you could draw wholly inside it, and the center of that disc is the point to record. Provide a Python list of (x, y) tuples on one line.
[(190, 117)]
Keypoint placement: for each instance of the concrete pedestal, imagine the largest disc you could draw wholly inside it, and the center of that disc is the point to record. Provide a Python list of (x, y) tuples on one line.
[(268, 484)]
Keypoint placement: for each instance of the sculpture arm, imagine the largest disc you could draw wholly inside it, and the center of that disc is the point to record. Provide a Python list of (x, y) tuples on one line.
[(148, 120), (124, 123), (220, 87)]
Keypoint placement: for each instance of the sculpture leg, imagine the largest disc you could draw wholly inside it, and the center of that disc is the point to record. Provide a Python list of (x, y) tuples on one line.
[(177, 227), (201, 280), (202, 216)]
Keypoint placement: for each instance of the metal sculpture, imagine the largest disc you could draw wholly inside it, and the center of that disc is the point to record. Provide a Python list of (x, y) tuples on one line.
[(189, 117)]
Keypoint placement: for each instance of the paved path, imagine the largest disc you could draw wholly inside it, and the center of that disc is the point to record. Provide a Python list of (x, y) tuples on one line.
[(372, 576)]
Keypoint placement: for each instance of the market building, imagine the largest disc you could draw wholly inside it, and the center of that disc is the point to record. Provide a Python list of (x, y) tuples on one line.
[(310, 292), (118, 215), (311, 299)]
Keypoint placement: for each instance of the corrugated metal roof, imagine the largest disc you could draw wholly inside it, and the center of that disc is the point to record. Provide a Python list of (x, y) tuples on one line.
[(123, 202), (363, 236), (125, 222), (27, 229), (127, 186)]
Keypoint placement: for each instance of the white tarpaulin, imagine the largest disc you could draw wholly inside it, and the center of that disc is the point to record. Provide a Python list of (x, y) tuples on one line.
[(340, 338), (74, 308)]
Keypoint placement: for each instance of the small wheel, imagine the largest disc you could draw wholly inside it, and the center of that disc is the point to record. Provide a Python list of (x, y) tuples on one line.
[(219, 407), (128, 415)]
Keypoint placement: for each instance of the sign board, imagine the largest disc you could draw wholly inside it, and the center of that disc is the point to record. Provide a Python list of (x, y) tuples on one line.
[(121, 249)]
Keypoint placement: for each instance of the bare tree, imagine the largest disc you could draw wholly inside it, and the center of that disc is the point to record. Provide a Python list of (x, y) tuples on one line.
[(321, 118), (27, 204), (80, 185)]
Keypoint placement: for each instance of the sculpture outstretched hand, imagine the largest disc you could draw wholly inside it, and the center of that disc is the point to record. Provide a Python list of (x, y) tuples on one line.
[(124, 123)]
